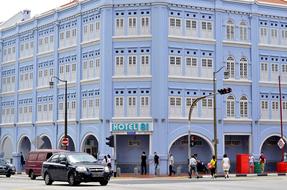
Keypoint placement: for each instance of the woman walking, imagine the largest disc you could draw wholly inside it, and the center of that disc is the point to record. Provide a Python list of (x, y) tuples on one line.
[(226, 165), (212, 166)]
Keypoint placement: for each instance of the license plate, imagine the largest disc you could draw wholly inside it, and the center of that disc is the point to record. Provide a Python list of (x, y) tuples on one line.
[(96, 175)]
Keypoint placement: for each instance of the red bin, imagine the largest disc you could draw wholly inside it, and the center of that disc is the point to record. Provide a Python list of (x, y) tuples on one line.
[(281, 167), (242, 163)]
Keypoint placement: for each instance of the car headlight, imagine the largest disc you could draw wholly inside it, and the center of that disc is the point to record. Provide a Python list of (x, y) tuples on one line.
[(106, 169), (81, 169)]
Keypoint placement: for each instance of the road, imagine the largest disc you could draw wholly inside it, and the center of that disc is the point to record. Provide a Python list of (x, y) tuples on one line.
[(161, 183)]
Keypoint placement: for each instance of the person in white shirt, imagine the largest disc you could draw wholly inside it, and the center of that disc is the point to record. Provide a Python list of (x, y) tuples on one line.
[(171, 164), (193, 167), (251, 164), (226, 165)]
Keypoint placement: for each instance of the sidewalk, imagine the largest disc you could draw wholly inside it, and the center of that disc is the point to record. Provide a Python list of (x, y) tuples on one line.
[(185, 175), (182, 176)]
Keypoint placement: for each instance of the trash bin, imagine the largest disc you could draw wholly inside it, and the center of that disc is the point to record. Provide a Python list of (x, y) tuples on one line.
[(257, 168)]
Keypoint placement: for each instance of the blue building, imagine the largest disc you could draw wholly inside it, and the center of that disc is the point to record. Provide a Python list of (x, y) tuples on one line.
[(133, 68)]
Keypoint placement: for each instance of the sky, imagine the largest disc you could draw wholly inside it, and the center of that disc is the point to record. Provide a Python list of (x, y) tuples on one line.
[(9, 8)]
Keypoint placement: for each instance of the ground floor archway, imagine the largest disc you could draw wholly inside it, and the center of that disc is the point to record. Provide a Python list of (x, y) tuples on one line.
[(7, 148), (90, 145), (71, 146), (24, 146), (200, 147), (44, 143), (272, 153)]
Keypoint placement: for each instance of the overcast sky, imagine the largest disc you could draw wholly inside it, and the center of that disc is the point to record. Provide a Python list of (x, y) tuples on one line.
[(10, 7)]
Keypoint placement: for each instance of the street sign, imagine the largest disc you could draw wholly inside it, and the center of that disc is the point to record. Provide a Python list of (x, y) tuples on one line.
[(65, 141), (281, 143)]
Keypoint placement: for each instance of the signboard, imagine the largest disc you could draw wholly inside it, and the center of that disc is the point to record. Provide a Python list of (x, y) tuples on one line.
[(281, 143), (65, 141), (132, 127)]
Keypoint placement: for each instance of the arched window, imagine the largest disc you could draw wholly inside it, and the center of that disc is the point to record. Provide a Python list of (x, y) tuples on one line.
[(230, 30), (230, 67), (243, 107), (230, 103), (243, 68), (243, 31)]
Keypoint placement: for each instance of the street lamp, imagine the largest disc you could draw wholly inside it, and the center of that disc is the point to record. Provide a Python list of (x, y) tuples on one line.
[(215, 140), (51, 83)]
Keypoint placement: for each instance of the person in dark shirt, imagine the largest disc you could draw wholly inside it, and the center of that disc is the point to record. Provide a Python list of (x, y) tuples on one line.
[(156, 162), (143, 163)]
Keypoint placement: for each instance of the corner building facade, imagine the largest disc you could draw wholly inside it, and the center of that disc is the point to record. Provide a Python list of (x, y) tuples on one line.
[(133, 68)]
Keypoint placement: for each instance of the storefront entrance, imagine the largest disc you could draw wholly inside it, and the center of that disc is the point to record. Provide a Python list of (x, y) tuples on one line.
[(129, 149), (235, 144)]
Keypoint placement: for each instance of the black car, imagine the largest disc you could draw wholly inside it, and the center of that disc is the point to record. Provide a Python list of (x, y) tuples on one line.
[(74, 168), (6, 168)]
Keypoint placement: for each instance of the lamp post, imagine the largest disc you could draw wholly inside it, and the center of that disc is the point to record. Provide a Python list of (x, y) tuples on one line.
[(215, 140), (51, 83)]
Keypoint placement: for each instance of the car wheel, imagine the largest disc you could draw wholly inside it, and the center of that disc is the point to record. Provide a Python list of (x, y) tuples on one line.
[(104, 182), (8, 174), (72, 181), (48, 180), (32, 175)]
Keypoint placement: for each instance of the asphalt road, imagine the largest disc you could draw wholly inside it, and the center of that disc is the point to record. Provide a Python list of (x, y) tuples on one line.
[(162, 183)]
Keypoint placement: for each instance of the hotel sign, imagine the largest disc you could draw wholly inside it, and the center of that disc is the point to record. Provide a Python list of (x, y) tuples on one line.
[(132, 127)]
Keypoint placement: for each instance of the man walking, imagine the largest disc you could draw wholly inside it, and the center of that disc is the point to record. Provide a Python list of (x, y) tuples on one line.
[(262, 161), (193, 167), (143, 163), (156, 163), (171, 164)]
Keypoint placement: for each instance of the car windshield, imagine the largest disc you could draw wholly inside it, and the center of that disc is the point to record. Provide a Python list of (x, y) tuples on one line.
[(83, 158), (2, 161)]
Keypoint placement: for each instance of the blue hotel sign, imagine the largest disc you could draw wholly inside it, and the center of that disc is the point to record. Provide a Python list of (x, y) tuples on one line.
[(132, 127)]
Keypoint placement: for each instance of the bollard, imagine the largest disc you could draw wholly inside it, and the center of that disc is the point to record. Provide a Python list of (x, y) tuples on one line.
[(178, 170), (118, 173), (136, 171)]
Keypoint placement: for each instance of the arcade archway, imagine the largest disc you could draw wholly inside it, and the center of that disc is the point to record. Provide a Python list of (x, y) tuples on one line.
[(90, 145), (200, 147)]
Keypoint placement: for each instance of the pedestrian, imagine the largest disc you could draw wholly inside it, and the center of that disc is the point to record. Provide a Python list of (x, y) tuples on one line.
[(262, 161), (105, 161), (171, 164), (109, 161), (193, 167), (226, 165), (212, 166), (251, 164), (22, 160), (143, 163), (156, 162)]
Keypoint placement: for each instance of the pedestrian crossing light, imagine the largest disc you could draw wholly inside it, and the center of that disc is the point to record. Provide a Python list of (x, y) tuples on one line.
[(110, 141), (224, 91)]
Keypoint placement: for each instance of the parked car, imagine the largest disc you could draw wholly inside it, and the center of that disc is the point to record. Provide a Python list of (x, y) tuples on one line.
[(74, 168), (35, 159), (6, 168)]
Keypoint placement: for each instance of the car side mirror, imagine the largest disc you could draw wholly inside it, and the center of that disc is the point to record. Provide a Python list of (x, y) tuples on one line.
[(64, 162)]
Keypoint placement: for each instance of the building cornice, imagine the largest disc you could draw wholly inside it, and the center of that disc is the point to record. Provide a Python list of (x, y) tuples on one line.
[(172, 78), (272, 47), (237, 44), (184, 39), (135, 78)]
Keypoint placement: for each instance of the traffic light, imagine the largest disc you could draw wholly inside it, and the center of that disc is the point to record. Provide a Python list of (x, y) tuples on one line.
[(224, 90), (110, 141)]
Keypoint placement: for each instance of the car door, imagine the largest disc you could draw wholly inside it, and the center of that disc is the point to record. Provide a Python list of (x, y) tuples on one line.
[(2, 166), (52, 166), (62, 169)]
